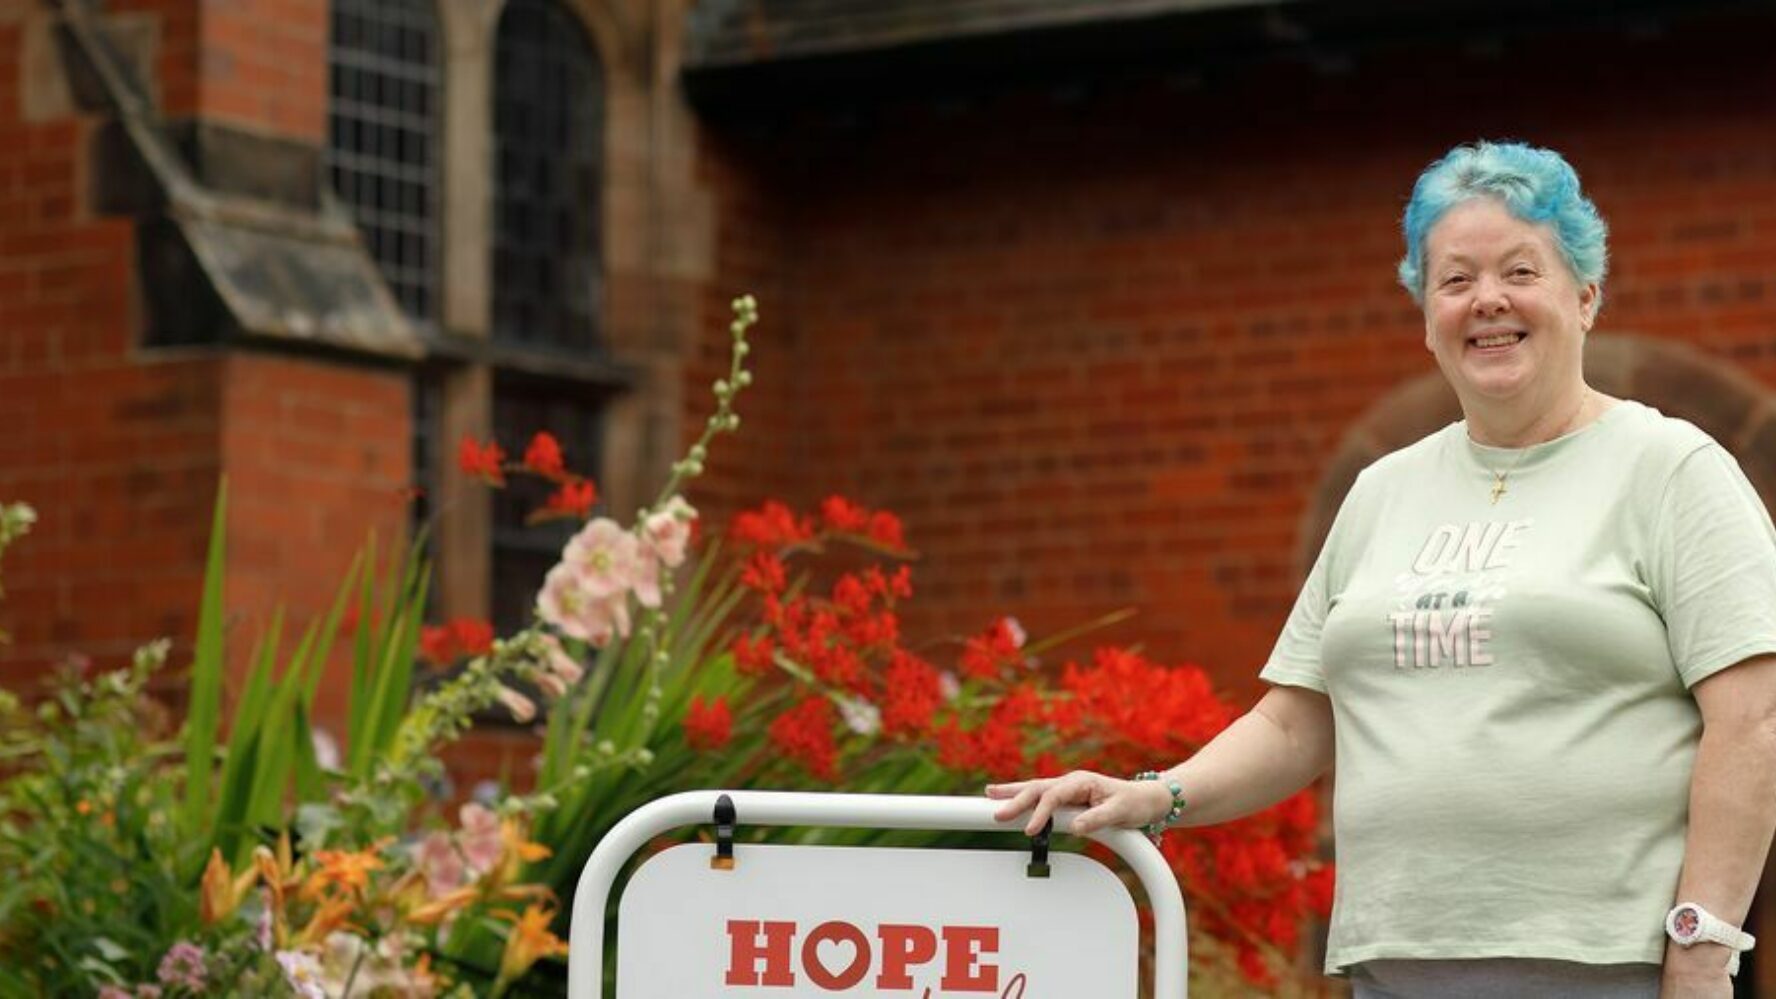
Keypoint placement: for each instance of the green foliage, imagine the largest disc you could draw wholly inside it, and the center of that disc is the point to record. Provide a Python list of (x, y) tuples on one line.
[(107, 818), (15, 520), (383, 653), (203, 710), (92, 903)]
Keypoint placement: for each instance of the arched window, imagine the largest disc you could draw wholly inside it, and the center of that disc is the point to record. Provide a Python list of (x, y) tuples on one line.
[(383, 139), (548, 123)]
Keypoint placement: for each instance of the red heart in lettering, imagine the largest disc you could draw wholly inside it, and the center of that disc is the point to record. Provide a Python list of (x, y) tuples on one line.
[(834, 968)]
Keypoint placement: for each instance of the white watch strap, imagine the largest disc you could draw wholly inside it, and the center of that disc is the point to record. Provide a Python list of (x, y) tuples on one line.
[(1712, 929)]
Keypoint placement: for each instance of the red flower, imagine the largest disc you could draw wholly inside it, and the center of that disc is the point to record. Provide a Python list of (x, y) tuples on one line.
[(851, 594), (773, 525), (473, 637), (486, 462), (543, 456), (437, 645), (1019, 706), (708, 726), (874, 630), (764, 572), (1317, 887), (912, 695), (999, 749), (885, 530), (839, 665), (955, 749), (752, 657), (572, 499), (840, 514), (985, 654), (804, 733), (446, 643), (1254, 967), (995, 748)]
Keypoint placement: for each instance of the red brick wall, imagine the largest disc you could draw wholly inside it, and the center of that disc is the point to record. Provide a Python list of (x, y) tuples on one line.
[(1099, 352), (765, 459), (258, 64), (117, 452), (318, 455), (178, 64), (120, 448)]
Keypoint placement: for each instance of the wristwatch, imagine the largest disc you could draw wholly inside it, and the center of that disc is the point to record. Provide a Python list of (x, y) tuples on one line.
[(1689, 924)]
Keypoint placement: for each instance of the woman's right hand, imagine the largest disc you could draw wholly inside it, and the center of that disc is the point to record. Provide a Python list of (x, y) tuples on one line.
[(1108, 801)]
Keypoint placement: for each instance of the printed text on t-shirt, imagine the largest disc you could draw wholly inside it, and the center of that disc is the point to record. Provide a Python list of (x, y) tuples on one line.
[(1444, 615)]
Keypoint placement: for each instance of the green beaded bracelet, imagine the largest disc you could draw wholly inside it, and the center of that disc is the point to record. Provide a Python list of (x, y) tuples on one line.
[(1157, 829)]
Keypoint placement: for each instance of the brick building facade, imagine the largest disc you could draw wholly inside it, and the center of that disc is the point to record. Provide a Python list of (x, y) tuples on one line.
[(1098, 296)]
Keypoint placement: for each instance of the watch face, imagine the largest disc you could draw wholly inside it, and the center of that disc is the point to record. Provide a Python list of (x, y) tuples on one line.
[(1687, 922)]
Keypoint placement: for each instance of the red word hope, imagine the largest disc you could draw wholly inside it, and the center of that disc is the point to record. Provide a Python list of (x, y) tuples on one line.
[(759, 953)]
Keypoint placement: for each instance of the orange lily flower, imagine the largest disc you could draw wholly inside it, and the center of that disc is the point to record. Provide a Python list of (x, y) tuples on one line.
[(221, 890), (277, 871), (439, 909), (330, 915), (518, 850), (345, 869), (529, 941)]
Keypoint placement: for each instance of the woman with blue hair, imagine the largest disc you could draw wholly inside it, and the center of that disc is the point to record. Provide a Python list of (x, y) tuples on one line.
[(1540, 644)]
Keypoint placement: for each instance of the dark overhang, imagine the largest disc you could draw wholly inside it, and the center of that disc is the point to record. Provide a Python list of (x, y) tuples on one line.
[(747, 57)]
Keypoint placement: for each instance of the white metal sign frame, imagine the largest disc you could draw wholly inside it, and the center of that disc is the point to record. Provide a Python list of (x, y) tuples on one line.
[(585, 959)]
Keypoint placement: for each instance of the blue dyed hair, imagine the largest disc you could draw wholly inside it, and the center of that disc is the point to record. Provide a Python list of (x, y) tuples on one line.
[(1535, 185)]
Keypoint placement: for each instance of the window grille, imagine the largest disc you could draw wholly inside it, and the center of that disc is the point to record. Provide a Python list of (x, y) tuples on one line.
[(429, 452), (548, 156), (383, 139)]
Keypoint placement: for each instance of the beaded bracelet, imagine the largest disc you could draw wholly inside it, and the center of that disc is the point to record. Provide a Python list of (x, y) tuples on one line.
[(1157, 829)]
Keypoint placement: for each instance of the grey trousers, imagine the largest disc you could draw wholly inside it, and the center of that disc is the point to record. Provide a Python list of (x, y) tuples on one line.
[(1503, 978)]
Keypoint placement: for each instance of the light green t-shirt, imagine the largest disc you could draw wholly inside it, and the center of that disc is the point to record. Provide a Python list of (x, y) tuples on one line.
[(1509, 683)]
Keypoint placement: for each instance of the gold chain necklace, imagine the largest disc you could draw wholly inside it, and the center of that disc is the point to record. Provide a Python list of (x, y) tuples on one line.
[(1498, 478)]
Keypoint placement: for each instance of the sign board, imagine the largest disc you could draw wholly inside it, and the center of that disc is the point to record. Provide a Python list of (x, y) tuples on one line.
[(800, 922)]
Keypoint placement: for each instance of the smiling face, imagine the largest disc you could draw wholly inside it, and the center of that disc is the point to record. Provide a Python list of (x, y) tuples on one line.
[(1504, 315)]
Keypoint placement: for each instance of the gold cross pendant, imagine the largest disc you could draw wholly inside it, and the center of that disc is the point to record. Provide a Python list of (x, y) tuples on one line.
[(1498, 488)]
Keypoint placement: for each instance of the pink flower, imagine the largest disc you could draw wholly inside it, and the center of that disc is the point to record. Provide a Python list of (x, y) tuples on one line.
[(606, 556), (114, 992), (646, 579), (563, 602), (183, 965), (566, 604), (560, 663), (481, 843), (669, 531), (523, 708), (441, 864), (551, 686), (302, 973)]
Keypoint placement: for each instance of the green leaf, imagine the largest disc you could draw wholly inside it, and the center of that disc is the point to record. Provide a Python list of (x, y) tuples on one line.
[(383, 678), (250, 723), (203, 713), (330, 625), (311, 783), (363, 639), (231, 815)]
